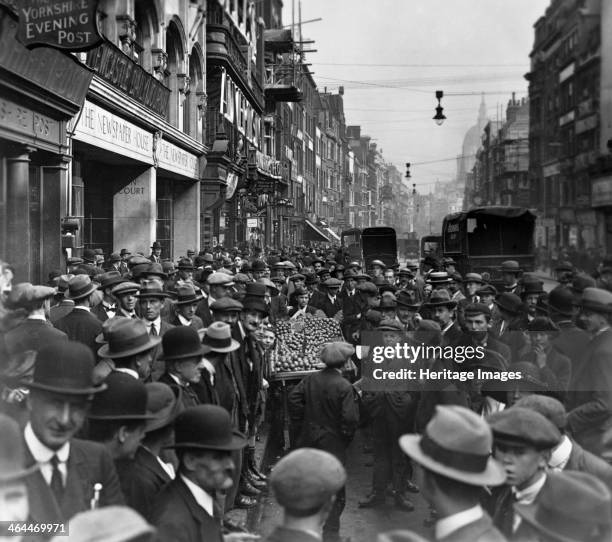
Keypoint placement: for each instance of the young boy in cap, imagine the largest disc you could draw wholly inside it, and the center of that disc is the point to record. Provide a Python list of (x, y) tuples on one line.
[(523, 440), (324, 408), (305, 484)]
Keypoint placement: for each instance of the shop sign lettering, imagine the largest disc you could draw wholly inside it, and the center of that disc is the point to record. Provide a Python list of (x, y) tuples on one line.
[(25, 121), (132, 189), (265, 164), (70, 25), (175, 159)]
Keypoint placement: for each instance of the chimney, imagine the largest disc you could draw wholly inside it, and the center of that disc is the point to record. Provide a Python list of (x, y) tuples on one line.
[(341, 90)]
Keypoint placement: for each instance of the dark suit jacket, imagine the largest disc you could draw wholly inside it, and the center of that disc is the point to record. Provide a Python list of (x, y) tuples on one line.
[(179, 518), (142, 478), (99, 312), (159, 366), (278, 308), (196, 323), (323, 303), (62, 309), (589, 400), (185, 394), (204, 313), (31, 335), (89, 463), (584, 461), (81, 326), (571, 342), (452, 335), (283, 534), (557, 371)]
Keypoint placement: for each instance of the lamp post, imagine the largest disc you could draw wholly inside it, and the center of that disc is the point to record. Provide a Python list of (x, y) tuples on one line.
[(439, 116)]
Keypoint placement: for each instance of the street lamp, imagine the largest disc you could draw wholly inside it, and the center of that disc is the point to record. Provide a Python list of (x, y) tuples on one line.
[(439, 116)]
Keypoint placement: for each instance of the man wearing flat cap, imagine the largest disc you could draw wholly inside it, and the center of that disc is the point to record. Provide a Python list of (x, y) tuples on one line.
[(323, 407), (73, 473), (589, 400), (305, 483), (330, 303), (219, 286), (80, 325), (522, 442), (186, 510), (454, 456)]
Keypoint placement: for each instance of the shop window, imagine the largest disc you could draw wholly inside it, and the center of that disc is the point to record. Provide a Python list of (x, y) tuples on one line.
[(165, 217)]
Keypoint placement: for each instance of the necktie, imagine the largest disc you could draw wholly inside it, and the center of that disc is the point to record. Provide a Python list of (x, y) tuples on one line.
[(57, 484), (153, 331)]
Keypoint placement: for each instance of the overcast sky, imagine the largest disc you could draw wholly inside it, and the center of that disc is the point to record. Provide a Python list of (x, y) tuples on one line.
[(392, 55)]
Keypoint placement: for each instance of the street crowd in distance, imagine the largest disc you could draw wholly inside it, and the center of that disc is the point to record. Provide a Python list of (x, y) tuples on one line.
[(134, 391)]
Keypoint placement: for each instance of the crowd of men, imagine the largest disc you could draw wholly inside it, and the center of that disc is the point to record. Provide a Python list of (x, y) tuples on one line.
[(134, 391)]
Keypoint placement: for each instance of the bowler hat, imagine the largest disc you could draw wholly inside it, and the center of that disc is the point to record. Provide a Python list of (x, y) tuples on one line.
[(306, 479), (456, 444), (151, 288), (254, 303), (206, 427), (185, 264), (441, 298), (162, 404), (12, 456), (542, 324), (256, 289), (109, 523), (572, 506), (518, 425), (24, 293), (80, 286), (552, 409), (596, 300), (509, 302), (89, 255), (109, 279), (126, 337), (510, 266), (64, 367), (186, 294), (125, 398), (181, 342), (560, 301), (218, 338), (336, 353), (580, 282), (532, 287), (156, 245)]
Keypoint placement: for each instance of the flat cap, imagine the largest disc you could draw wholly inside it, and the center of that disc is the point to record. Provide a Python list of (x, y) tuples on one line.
[(220, 278), (518, 425), (297, 276), (125, 288), (596, 300), (552, 409), (24, 293), (241, 278), (306, 479), (477, 308), (226, 304), (487, 289), (336, 353), (368, 288), (332, 283), (389, 325)]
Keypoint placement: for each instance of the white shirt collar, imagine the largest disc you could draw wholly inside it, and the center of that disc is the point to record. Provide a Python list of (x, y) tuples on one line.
[(450, 524), (37, 317), (200, 496), (528, 495), (183, 320), (127, 371), (39, 451), (83, 308), (156, 322), (561, 454)]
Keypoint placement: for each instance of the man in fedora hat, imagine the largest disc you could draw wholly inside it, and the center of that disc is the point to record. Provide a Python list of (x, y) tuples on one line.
[(150, 302), (73, 473), (324, 408), (522, 442), (186, 509), (156, 250), (185, 269), (305, 484), (80, 325), (60, 306), (114, 262), (454, 456), (185, 306), (150, 472), (589, 400), (443, 312), (182, 354), (130, 347), (35, 331), (108, 307)]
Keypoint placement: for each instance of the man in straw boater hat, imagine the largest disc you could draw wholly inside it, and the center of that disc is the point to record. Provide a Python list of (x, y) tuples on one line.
[(571, 507), (73, 473), (589, 401), (454, 455), (187, 509), (79, 324), (305, 484), (14, 498), (324, 408)]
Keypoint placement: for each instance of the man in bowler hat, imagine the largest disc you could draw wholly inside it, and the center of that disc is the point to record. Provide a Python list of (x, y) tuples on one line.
[(305, 483), (186, 510), (156, 250), (74, 474)]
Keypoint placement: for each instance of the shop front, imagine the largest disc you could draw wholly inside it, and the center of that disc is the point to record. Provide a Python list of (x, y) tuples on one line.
[(601, 201)]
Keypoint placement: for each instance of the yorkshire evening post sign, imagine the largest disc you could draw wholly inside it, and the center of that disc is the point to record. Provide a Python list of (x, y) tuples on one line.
[(69, 24)]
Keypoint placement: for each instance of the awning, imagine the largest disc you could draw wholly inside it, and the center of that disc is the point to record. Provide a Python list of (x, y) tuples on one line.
[(312, 233), (333, 234)]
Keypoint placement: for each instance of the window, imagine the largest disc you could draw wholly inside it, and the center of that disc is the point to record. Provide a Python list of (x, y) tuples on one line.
[(175, 74), (165, 216)]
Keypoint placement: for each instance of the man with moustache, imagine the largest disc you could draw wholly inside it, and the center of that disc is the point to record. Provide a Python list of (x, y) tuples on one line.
[(60, 397), (186, 509)]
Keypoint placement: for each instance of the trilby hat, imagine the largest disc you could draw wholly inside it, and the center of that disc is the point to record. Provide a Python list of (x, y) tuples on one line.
[(80, 286), (162, 404), (126, 337), (441, 298), (560, 301), (151, 288), (218, 338), (186, 295), (456, 444), (109, 279), (596, 300)]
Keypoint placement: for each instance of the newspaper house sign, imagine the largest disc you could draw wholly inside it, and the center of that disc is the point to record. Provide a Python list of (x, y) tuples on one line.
[(70, 24)]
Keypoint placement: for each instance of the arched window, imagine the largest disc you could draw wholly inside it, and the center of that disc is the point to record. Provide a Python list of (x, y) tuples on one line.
[(175, 74), (193, 111), (146, 26)]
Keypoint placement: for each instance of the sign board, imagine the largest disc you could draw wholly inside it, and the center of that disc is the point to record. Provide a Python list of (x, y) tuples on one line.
[(252, 223), (601, 192), (173, 158), (70, 25)]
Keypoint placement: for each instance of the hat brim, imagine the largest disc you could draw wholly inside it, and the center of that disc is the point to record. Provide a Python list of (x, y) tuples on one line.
[(494, 474), (158, 295), (64, 391), (237, 442), (18, 475), (235, 345), (185, 355), (595, 307), (449, 304), (166, 416), (92, 288), (197, 299), (528, 512), (507, 309), (126, 417), (112, 283), (549, 307), (105, 351)]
